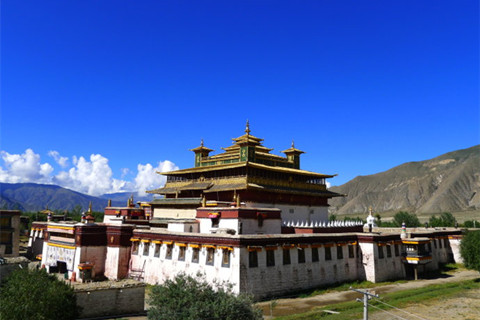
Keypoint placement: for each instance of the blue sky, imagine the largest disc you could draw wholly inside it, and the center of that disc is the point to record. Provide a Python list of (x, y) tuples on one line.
[(361, 86)]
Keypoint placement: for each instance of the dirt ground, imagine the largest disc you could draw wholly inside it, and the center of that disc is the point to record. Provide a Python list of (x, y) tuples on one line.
[(465, 306), (461, 308)]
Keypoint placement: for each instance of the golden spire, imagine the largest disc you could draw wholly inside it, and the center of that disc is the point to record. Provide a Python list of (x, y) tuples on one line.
[(293, 144), (201, 143), (90, 207), (247, 128)]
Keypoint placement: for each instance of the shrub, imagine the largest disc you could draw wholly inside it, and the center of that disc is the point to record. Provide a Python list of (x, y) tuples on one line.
[(34, 294), (469, 249), (190, 298)]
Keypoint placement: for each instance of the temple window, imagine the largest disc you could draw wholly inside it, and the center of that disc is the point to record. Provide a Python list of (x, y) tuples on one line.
[(328, 253), (440, 243), (397, 251), (215, 222), (168, 254), (146, 248), (301, 255), (181, 253), (270, 258), (315, 257), (135, 247), (252, 259), (156, 253), (195, 255), (226, 258), (210, 256), (291, 210), (339, 252), (351, 253), (445, 243), (286, 256), (380, 253), (389, 251)]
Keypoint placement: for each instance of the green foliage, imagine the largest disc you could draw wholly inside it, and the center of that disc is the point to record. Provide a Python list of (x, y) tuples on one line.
[(470, 250), (332, 217), (34, 294), (410, 219), (446, 219), (191, 298), (471, 224)]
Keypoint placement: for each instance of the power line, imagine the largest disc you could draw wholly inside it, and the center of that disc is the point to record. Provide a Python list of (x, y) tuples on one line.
[(371, 305), (412, 314)]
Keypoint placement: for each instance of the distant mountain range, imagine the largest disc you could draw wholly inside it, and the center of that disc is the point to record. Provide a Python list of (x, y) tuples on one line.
[(36, 197), (450, 182)]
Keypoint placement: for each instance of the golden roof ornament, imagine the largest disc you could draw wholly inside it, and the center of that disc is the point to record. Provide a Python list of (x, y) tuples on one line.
[(247, 128)]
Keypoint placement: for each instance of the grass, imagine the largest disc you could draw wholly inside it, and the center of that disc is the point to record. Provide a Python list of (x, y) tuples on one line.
[(400, 299), (346, 286)]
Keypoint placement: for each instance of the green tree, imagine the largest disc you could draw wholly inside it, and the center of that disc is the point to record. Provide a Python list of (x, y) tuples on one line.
[(190, 298), (469, 249), (34, 294), (471, 224), (446, 219), (410, 219)]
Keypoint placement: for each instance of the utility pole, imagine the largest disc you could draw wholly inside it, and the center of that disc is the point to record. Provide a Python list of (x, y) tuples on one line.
[(366, 296)]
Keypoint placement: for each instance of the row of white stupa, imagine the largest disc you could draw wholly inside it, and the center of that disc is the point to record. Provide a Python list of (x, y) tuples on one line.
[(317, 224)]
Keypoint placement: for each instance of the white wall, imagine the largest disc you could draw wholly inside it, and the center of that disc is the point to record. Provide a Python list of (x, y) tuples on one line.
[(249, 226), (174, 213), (300, 213), (159, 269)]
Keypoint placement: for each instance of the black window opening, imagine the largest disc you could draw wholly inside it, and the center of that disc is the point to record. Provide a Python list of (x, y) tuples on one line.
[(339, 252), (270, 258), (328, 253), (351, 252), (315, 257), (252, 259), (286, 256), (397, 250), (215, 222), (301, 255), (380, 252), (389, 251)]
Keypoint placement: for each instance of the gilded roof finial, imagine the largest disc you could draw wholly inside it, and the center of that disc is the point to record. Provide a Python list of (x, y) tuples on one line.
[(247, 128), (90, 207), (201, 143), (293, 144)]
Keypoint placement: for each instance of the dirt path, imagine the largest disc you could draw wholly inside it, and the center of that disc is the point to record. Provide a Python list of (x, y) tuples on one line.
[(300, 305)]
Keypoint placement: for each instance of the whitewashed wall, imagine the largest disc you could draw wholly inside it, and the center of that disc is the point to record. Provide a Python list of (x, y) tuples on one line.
[(300, 213)]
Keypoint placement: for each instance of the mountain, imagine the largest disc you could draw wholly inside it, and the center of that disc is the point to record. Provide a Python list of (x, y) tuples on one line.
[(124, 196), (35, 197), (450, 182)]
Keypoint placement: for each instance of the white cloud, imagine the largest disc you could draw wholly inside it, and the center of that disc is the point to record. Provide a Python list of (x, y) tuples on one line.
[(93, 177), (125, 171), (328, 184), (148, 179), (24, 167), (62, 161)]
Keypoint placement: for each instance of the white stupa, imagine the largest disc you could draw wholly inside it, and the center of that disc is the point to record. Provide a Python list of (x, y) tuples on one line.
[(370, 219)]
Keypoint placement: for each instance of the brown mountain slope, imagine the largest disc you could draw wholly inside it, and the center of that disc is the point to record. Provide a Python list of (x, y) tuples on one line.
[(450, 182)]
